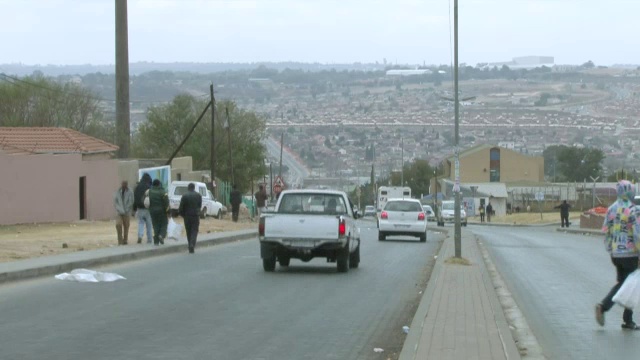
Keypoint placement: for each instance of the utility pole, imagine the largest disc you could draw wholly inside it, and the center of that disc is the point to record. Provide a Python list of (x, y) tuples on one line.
[(123, 125), (213, 132), (228, 127), (281, 146), (458, 229), (402, 165)]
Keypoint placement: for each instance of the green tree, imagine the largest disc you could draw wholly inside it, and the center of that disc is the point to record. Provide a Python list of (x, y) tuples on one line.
[(167, 125), (417, 176), (578, 164), (38, 101)]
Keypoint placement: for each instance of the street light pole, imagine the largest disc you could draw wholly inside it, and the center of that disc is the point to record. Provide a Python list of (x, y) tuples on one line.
[(458, 229), (402, 162)]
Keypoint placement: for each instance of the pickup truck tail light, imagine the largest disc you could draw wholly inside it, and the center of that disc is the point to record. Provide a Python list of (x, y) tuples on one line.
[(342, 227), (261, 227), (421, 216), (384, 215)]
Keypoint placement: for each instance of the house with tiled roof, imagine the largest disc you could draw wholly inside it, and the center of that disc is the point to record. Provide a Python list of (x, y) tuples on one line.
[(46, 140), (55, 175)]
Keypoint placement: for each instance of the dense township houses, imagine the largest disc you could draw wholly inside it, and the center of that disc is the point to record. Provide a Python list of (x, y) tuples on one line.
[(55, 175)]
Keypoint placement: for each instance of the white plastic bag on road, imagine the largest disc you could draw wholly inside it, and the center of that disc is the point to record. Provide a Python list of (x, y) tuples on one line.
[(628, 295), (84, 275), (174, 230)]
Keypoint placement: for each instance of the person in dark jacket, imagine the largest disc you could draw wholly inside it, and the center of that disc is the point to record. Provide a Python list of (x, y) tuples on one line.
[(158, 207), (142, 213), (235, 199), (190, 206), (564, 213), (489, 212), (261, 200)]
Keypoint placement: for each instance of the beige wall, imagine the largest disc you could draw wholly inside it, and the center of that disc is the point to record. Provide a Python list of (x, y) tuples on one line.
[(45, 188), (128, 171), (513, 167)]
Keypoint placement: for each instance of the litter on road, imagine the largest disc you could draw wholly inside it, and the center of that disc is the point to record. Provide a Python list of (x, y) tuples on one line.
[(405, 329), (378, 350), (84, 275)]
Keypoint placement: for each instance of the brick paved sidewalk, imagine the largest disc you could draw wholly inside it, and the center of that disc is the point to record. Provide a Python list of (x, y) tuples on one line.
[(459, 316)]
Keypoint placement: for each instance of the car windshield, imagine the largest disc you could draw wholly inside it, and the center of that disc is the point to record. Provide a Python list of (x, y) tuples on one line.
[(402, 206), (369, 208), (180, 190), (448, 206), (427, 209)]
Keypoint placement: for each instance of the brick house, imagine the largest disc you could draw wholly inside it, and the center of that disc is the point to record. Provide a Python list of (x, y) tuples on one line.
[(55, 175)]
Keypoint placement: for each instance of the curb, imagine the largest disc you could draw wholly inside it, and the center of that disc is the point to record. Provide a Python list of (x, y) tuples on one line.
[(64, 263), (581, 231), (507, 309)]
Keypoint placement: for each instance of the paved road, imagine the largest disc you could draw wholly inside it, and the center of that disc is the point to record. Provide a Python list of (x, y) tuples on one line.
[(297, 171), (219, 304), (557, 279)]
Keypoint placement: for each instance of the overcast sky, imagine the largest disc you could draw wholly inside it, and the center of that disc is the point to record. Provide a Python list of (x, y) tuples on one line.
[(326, 31)]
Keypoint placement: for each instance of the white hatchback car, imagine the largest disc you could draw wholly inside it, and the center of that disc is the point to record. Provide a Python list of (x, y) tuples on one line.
[(402, 217)]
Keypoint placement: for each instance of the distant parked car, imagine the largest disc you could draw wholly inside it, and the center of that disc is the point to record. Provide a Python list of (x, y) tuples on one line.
[(447, 213), (431, 215), (402, 217), (369, 210), (210, 206)]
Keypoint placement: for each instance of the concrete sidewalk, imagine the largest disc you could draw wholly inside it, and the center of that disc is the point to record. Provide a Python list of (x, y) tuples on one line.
[(50, 265), (459, 316)]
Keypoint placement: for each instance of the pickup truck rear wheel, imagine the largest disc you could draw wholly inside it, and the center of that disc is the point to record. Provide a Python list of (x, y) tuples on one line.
[(269, 264), (203, 213), (354, 258), (343, 260), (423, 237), (381, 236), (219, 214)]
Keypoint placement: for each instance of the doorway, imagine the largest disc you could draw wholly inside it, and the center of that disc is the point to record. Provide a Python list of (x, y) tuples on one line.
[(83, 197)]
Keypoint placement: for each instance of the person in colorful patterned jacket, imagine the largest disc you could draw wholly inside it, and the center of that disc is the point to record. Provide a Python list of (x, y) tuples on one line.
[(622, 240)]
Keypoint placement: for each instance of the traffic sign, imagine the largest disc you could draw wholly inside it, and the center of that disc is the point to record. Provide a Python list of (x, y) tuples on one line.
[(277, 188), (540, 196)]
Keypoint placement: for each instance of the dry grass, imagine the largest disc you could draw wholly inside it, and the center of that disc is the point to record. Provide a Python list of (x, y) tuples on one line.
[(457, 261), (35, 240), (531, 218)]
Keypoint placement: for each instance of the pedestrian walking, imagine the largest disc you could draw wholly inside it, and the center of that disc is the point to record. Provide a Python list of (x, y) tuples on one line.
[(158, 208), (142, 213), (489, 212), (235, 199), (564, 213), (622, 238), (123, 202), (190, 206), (261, 199), (481, 211)]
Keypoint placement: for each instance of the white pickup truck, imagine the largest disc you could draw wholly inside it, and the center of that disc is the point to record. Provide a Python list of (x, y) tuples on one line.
[(307, 224)]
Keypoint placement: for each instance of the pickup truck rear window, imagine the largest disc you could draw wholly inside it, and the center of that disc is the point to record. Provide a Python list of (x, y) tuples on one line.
[(319, 204)]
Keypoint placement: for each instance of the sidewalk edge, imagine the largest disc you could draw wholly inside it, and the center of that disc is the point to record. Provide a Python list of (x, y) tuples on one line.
[(515, 324), (53, 269)]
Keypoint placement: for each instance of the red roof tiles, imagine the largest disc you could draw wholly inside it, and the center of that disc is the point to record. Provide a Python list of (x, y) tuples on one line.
[(48, 140)]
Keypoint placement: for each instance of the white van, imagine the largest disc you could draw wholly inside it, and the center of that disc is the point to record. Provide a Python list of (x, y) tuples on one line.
[(210, 206)]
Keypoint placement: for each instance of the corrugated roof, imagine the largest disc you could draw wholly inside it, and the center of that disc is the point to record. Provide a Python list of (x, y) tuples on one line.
[(48, 140)]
